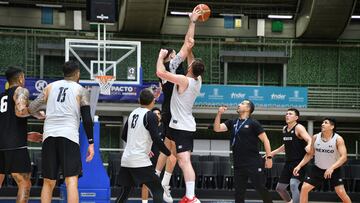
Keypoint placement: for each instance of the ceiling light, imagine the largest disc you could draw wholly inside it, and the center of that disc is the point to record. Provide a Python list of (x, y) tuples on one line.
[(179, 13), (4, 2), (49, 5), (231, 14), (280, 16), (355, 17)]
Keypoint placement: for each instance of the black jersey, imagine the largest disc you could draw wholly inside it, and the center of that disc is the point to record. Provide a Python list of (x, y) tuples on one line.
[(245, 141), (294, 147), (13, 131), (167, 88)]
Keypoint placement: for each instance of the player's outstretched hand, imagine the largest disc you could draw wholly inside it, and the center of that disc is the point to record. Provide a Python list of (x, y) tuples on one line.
[(90, 153), (194, 15)]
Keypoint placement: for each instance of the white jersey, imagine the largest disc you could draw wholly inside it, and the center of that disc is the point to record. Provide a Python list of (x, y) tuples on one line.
[(63, 111), (326, 153), (139, 142), (181, 106)]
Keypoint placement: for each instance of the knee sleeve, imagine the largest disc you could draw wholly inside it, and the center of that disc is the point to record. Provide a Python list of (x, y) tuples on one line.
[(281, 189), (294, 187)]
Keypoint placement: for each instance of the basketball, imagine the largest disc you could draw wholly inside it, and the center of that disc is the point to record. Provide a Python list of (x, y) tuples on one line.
[(204, 12), (34, 137)]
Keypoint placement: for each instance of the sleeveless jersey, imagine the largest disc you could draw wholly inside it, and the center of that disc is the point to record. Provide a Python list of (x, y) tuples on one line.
[(63, 111), (13, 133), (173, 66), (181, 106), (326, 153), (294, 147), (139, 142)]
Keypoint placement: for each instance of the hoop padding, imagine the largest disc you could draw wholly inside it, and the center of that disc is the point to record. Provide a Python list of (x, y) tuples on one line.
[(105, 82)]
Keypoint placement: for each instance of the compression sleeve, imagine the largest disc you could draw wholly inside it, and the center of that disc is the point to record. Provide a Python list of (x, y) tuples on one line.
[(88, 123)]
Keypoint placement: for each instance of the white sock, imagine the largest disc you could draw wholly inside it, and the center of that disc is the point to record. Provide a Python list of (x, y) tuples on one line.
[(290, 201), (157, 172), (190, 189), (144, 201), (166, 178)]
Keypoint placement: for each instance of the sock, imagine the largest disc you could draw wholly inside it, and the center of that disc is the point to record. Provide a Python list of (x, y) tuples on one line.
[(144, 201), (190, 189), (166, 178), (290, 201), (158, 173)]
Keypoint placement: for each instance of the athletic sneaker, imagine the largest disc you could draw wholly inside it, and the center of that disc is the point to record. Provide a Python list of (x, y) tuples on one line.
[(167, 196), (187, 200)]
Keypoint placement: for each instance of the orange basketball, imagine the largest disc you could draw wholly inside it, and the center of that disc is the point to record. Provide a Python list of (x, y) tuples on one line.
[(204, 11)]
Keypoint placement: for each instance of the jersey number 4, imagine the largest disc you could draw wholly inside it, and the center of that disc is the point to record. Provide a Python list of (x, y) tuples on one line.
[(62, 94), (3, 104), (134, 120)]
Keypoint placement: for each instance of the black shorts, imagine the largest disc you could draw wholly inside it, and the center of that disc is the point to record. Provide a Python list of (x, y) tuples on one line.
[(136, 176), (60, 153), (287, 172), (165, 119), (155, 150), (15, 161), (316, 177), (184, 140)]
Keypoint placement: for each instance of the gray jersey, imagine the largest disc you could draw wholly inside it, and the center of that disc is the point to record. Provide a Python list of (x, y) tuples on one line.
[(326, 153), (63, 110), (139, 142), (181, 106)]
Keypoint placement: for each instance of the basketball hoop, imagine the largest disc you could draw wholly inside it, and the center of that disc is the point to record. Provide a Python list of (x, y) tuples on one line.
[(105, 82)]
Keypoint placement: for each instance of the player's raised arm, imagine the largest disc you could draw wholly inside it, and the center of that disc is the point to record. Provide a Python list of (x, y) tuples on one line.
[(220, 127)]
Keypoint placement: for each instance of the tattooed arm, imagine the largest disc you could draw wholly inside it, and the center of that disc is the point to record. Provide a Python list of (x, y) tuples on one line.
[(38, 104), (21, 98)]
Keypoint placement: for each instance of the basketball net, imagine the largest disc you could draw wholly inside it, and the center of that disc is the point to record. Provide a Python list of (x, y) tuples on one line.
[(105, 82)]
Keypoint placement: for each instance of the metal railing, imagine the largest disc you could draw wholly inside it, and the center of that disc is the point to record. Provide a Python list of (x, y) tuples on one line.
[(334, 97)]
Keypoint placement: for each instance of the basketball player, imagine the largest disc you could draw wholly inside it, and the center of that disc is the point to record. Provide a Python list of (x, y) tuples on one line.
[(248, 164), (182, 124), (14, 155), (172, 63), (65, 102), (140, 132), (330, 154), (297, 142), (154, 153)]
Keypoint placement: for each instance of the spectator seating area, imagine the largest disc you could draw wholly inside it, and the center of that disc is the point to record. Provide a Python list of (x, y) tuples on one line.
[(212, 172)]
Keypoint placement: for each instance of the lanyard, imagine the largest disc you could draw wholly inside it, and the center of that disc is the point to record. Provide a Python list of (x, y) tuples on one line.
[(237, 129)]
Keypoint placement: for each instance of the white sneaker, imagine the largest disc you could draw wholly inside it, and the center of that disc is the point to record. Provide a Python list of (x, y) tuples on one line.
[(167, 196)]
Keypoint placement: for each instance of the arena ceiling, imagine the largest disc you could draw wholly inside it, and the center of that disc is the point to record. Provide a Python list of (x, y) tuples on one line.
[(251, 8), (314, 18)]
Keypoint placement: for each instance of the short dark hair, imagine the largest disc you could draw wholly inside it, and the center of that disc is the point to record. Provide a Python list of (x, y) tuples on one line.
[(332, 121), (69, 68), (13, 73), (155, 109), (251, 105), (297, 113), (170, 50), (198, 67), (146, 96)]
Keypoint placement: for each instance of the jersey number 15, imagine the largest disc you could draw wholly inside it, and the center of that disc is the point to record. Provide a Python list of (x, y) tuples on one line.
[(62, 94)]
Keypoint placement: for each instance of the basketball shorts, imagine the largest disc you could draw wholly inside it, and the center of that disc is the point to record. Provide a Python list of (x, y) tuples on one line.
[(15, 161), (136, 176), (184, 140), (316, 177), (60, 153), (287, 172)]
